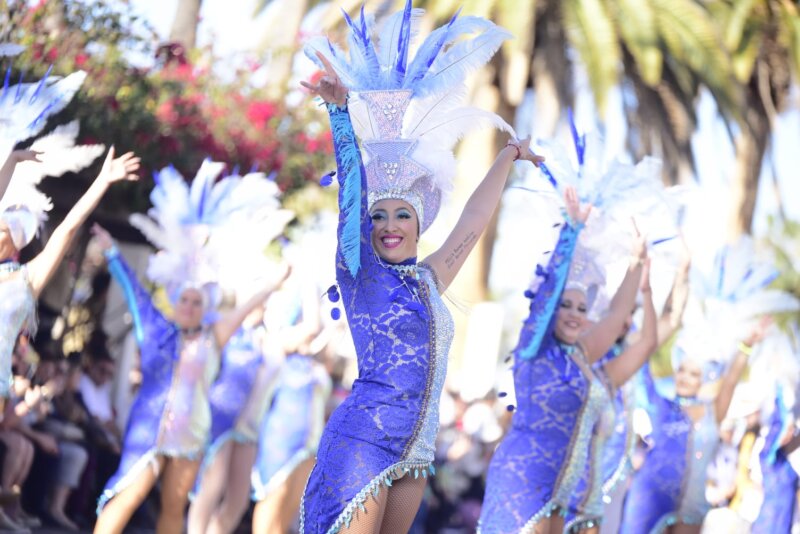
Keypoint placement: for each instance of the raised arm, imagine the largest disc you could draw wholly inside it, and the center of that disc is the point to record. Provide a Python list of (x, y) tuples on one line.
[(539, 322), (672, 314), (7, 170), (138, 299), (354, 247), (42, 267), (737, 367), (227, 325), (477, 213), (597, 340), (622, 368)]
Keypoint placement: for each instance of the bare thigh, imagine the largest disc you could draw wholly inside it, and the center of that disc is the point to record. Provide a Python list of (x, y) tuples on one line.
[(683, 528), (275, 512), (118, 511), (176, 483)]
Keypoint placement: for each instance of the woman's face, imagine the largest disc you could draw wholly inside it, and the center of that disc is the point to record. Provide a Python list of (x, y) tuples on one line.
[(189, 309), (394, 230), (688, 379), (571, 318), (7, 248)]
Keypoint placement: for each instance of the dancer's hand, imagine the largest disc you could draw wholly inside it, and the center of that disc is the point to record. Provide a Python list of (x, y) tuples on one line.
[(104, 239), (759, 331), (525, 152), (274, 282), (118, 169), (577, 214), (330, 88), (19, 156), (639, 251)]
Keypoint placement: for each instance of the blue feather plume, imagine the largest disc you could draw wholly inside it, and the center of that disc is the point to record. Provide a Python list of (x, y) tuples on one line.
[(350, 181)]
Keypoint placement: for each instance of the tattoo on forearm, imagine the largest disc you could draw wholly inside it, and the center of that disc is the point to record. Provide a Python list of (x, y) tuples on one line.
[(460, 249)]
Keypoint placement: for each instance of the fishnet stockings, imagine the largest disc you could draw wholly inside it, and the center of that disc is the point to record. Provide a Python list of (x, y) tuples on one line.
[(392, 511)]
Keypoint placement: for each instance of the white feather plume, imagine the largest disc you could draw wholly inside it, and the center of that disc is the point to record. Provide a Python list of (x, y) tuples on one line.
[(24, 108), (452, 67)]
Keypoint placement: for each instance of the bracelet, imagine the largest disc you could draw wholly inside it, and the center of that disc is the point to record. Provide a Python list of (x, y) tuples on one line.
[(745, 349), (519, 151), (636, 261)]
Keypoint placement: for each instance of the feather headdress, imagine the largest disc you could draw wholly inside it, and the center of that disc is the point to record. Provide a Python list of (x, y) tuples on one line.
[(23, 202), (408, 111), (24, 107), (184, 219), (727, 298)]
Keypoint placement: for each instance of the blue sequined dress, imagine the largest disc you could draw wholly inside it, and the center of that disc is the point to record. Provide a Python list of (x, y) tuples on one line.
[(779, 480), (670, 486), (536, 467), (291, 430), (171, 415), (612, 450), (17, 311), (586, 507), (402, 331), (242, 393)]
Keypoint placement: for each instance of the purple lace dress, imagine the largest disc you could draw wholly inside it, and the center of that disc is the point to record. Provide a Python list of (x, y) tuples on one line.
[(537, 466), (780, 480), (242, 393), (402, 331), (670, 486), (291, 430)]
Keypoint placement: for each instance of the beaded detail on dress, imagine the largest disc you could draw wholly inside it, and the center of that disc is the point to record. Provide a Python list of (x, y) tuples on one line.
[(186, 421), (17, 310)]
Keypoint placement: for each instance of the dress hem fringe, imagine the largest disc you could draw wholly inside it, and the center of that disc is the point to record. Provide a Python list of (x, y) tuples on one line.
[(384, 479)]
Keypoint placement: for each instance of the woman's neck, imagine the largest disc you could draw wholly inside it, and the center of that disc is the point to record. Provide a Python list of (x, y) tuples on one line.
[(190, 331)]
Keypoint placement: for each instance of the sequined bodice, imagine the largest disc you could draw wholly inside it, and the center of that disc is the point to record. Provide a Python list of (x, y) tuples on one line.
[(17, 307), (187, 416)]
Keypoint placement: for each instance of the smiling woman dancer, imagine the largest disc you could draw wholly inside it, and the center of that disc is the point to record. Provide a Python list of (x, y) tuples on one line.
[(536, 467), (377, 448), (667, 493), (20, 285), (170, 419)]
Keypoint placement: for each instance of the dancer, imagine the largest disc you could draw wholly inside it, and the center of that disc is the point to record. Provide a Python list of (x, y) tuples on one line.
[(780, 480), (170, 419), (244, 389), (668, 491), (378, 446), (291, 431), (536, 467), (21, 213), (611, 373), (601, 493)]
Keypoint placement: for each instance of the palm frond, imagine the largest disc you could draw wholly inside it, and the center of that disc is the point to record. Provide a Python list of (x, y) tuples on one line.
[(590, 30)]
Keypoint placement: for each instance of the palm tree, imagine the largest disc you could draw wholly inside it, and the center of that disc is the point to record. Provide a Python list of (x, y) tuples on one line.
[(184, 25), (763, 39)]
